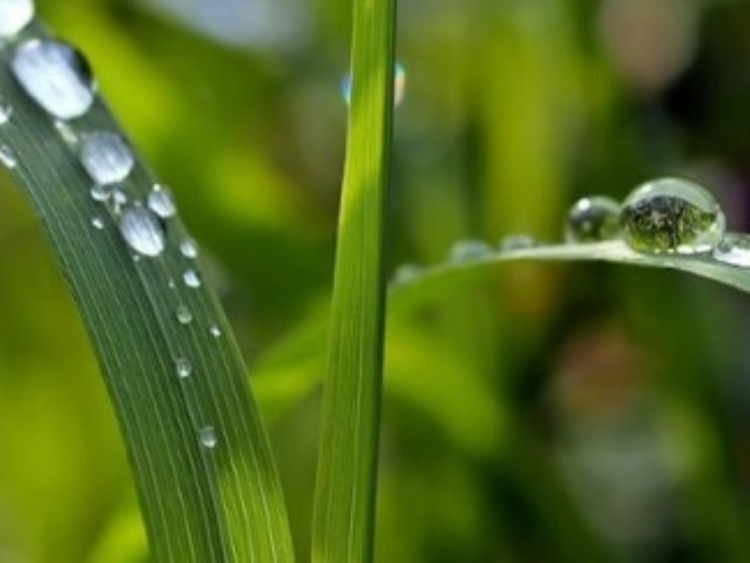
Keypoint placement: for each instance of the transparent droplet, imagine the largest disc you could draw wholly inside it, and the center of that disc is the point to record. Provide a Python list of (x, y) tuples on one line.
[(119, 200), (106, 157), (184, 315), (8, 157), (215, 331), (56, 76), (160, 202), (406, 273), (99, 192), (14, 16), (143, 231), (470, 250), (672, 216), (399, 85), (510, 243), (67, 133), (189, 249), (184, 367), (98, 223), (191, 278), (734, 249), (171, 284), (208, 437), (593, 219), (6, 110)]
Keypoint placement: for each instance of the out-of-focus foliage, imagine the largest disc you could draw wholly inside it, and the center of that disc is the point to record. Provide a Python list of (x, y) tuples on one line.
[(580, 413)]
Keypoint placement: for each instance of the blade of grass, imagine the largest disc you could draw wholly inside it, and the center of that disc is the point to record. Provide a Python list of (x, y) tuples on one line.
[(343, 518), (201, 501)]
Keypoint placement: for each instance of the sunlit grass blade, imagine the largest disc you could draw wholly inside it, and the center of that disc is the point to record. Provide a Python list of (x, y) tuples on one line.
[(347, 473), (207, 483)]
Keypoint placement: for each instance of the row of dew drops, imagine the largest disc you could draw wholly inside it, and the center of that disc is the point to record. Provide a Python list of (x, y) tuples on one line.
[(666, 216), (59, 80)]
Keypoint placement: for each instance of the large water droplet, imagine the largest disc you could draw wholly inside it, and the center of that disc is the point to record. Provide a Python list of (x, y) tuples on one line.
[(184, 315), (183, 367), (470, 250), (593, 219), (399, 86), (106, 157), (6, 110), (8, 157), (672, 215), (208, 437), (189, 249), (143, 231), (734, 249), (14, 16), (56, 76), (191, 279), (160, 202)]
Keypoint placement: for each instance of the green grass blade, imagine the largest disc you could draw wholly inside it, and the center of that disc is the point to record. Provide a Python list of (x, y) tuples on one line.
[(200, 503), (347, 473)]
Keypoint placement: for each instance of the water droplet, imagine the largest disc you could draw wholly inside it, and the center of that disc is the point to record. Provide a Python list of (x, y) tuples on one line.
[(510, 243), (98, 223), (99, 192), (189, 249), (56, 76), (470, 250), (160, 202), (106, 157), (672, 215), (8, 157), (67, 133), (406, 273), (399, 85), (215, 331), (734, 249), (593, 219), (208, 437), (6, 110), (14, 16), (171, 284), (184, 368), (119, 200), (143, 231), (184, 315), (191, 278)]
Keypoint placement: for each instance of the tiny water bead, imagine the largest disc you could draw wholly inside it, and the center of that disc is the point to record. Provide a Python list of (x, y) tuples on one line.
[(470, 250), (189, 249), (6, 112), (8, 157), (734, 249), (56, 76), (672, 216), (106, 157), (510, 243), (593, 219), (215, 331), (100, 192), (143, 231), (97, 223), (184, 368), (160, 202), (14, 16), (67, 133), (406, 273), (191, 279), (208, 437), (399, 86), (184, 315)]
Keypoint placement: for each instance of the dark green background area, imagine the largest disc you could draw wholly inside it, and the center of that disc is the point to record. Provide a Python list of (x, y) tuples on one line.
[(551, 413)]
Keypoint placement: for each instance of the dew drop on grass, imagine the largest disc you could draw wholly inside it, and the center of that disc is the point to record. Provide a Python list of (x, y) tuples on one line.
[(100, 192), (97, 223), (8, 157), (406, 273), (672, 216), (516, 242), (184, 315), (593, 219), (56, 76), (191, 279), (734, 249), (208, 437), (470, 250), (160, 202), (215, 331), (399, 86), (143, 231), (6, 111), (189, 249), (106, 157), (67, 133), (14, 16), (184, 368)]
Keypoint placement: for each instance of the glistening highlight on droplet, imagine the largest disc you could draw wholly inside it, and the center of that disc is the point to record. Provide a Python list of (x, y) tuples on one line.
[(593, 219), (143, 231), (107, 157), (56, 76), (160, 202), (15, 15), (672, 216)]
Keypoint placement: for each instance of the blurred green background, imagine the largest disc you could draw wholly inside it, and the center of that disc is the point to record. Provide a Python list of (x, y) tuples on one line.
[(541, 414)]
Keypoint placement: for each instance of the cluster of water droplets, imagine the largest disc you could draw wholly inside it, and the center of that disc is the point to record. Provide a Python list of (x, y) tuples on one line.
[(59, 80)]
